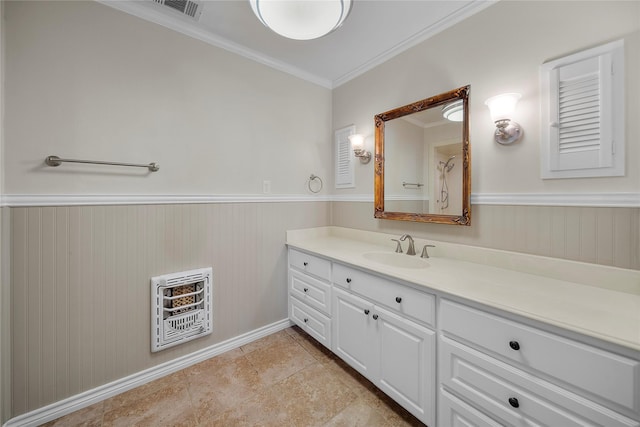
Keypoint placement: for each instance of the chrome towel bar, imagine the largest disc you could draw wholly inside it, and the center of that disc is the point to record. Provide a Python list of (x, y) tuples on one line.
[(57, 161)]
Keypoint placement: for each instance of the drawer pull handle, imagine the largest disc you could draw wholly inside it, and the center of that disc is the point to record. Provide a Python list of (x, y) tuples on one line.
[(514, 402), (398, 300), (305, 263), (375, 317), (348, 280), (515, 345), (305, 289), (366, 311), (306, 320)]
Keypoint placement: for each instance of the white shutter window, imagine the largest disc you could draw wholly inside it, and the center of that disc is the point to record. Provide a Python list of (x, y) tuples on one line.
[(344, 161), (583, 114)]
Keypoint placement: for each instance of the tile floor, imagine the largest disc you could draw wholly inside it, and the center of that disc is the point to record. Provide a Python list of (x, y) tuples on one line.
[(284, 379)]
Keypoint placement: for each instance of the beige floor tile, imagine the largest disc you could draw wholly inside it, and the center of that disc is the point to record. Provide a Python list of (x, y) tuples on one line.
[(91, 416), (280, 337), (285, 379), (277, 361), (134, 395), (169, 405), (318, 351), (217, 385), (310, 397), (361, 413)]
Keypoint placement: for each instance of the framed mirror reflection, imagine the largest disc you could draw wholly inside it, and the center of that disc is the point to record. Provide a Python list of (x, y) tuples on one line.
[(423, 161)]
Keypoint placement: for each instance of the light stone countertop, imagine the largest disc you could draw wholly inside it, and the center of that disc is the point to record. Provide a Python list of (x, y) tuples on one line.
[(594, 300)]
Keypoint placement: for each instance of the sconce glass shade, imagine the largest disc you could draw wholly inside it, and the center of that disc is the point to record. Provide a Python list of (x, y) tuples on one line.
[(301, 19), (453, 111), (502, 106), (357, 141), (357, 144)]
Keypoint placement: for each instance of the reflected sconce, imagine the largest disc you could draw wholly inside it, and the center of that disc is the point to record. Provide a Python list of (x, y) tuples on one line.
[(501, 108), (301, 20), (453, 112), (357, 143)]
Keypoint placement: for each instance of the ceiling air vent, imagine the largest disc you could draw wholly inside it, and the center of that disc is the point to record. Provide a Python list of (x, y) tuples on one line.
[(186, 7)]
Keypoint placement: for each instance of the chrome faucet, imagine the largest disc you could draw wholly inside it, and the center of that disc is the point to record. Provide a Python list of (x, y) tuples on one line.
[(411, 250)]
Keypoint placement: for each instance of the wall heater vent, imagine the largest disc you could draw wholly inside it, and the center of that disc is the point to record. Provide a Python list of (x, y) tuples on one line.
[(180, 307), (190, 8)]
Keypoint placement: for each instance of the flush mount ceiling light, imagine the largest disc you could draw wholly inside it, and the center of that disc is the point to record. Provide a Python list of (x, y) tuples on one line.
[(301, 19), (453, 111)]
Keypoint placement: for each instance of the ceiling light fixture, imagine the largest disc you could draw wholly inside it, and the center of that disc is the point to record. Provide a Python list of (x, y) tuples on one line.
[(454, 111), (302, 19)]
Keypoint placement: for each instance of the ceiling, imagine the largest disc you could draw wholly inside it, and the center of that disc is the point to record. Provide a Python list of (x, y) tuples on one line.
[(374, 31)]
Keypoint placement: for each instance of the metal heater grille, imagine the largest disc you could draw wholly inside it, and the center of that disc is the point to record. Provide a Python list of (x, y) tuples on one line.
[(181, 307)]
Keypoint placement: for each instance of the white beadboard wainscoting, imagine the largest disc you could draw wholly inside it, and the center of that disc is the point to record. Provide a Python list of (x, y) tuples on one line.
[(601, 235), (80, 290), (80, 287)]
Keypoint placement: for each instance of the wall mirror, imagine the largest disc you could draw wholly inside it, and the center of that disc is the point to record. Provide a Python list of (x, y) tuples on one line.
[(423, 161)]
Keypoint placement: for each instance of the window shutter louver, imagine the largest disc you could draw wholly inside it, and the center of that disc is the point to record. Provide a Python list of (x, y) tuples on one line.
[(581, 124), (344, 165)]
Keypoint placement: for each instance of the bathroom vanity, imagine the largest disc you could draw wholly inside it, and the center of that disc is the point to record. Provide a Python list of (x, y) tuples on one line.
[(473, 336)]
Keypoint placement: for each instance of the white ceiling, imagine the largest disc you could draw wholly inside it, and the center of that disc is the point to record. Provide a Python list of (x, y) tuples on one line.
[(374, 31)]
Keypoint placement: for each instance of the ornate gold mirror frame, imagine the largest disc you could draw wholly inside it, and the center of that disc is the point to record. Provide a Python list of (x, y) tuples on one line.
[(444, 99)]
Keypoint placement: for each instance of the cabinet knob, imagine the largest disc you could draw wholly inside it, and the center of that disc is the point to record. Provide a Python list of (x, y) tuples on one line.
[(366, 311), (375, 317), (398, 300), (514, 402), (305, 289), (306, 320), (515, 345), (348, 279), (305, 263)]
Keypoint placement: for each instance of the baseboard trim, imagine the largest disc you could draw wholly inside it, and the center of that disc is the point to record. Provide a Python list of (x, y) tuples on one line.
[(89, 397)]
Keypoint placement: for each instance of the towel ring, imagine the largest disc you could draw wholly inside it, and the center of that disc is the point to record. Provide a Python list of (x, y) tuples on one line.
[(313, 178)]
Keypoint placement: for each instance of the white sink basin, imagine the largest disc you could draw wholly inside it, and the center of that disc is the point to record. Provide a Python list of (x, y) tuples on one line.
[(393, 259)]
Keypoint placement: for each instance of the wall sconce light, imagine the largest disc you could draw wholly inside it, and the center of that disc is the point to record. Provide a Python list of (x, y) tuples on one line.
[(501, 108), (301, 20), (357, 143), (453, 112)]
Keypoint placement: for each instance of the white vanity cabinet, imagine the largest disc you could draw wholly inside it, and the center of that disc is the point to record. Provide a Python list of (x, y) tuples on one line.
[(494, 366), (373, 334), (310, 294), (519, 375)]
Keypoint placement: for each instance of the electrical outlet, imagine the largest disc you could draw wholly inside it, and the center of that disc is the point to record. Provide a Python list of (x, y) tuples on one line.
[(266, 187)]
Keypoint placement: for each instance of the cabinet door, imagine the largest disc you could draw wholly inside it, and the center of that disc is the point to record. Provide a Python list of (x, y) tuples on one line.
[(407, 363), (453, 412), (353, 332)]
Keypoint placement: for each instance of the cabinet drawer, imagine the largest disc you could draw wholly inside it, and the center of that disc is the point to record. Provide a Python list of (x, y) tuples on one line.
[(311, 321), (310, 264), (313, 292), (603, 374), (517, 397), (453, 412), (402, 299)]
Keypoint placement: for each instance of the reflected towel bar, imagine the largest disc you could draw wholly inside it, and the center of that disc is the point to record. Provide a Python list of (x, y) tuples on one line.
[(57, 161), (406, 184)]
